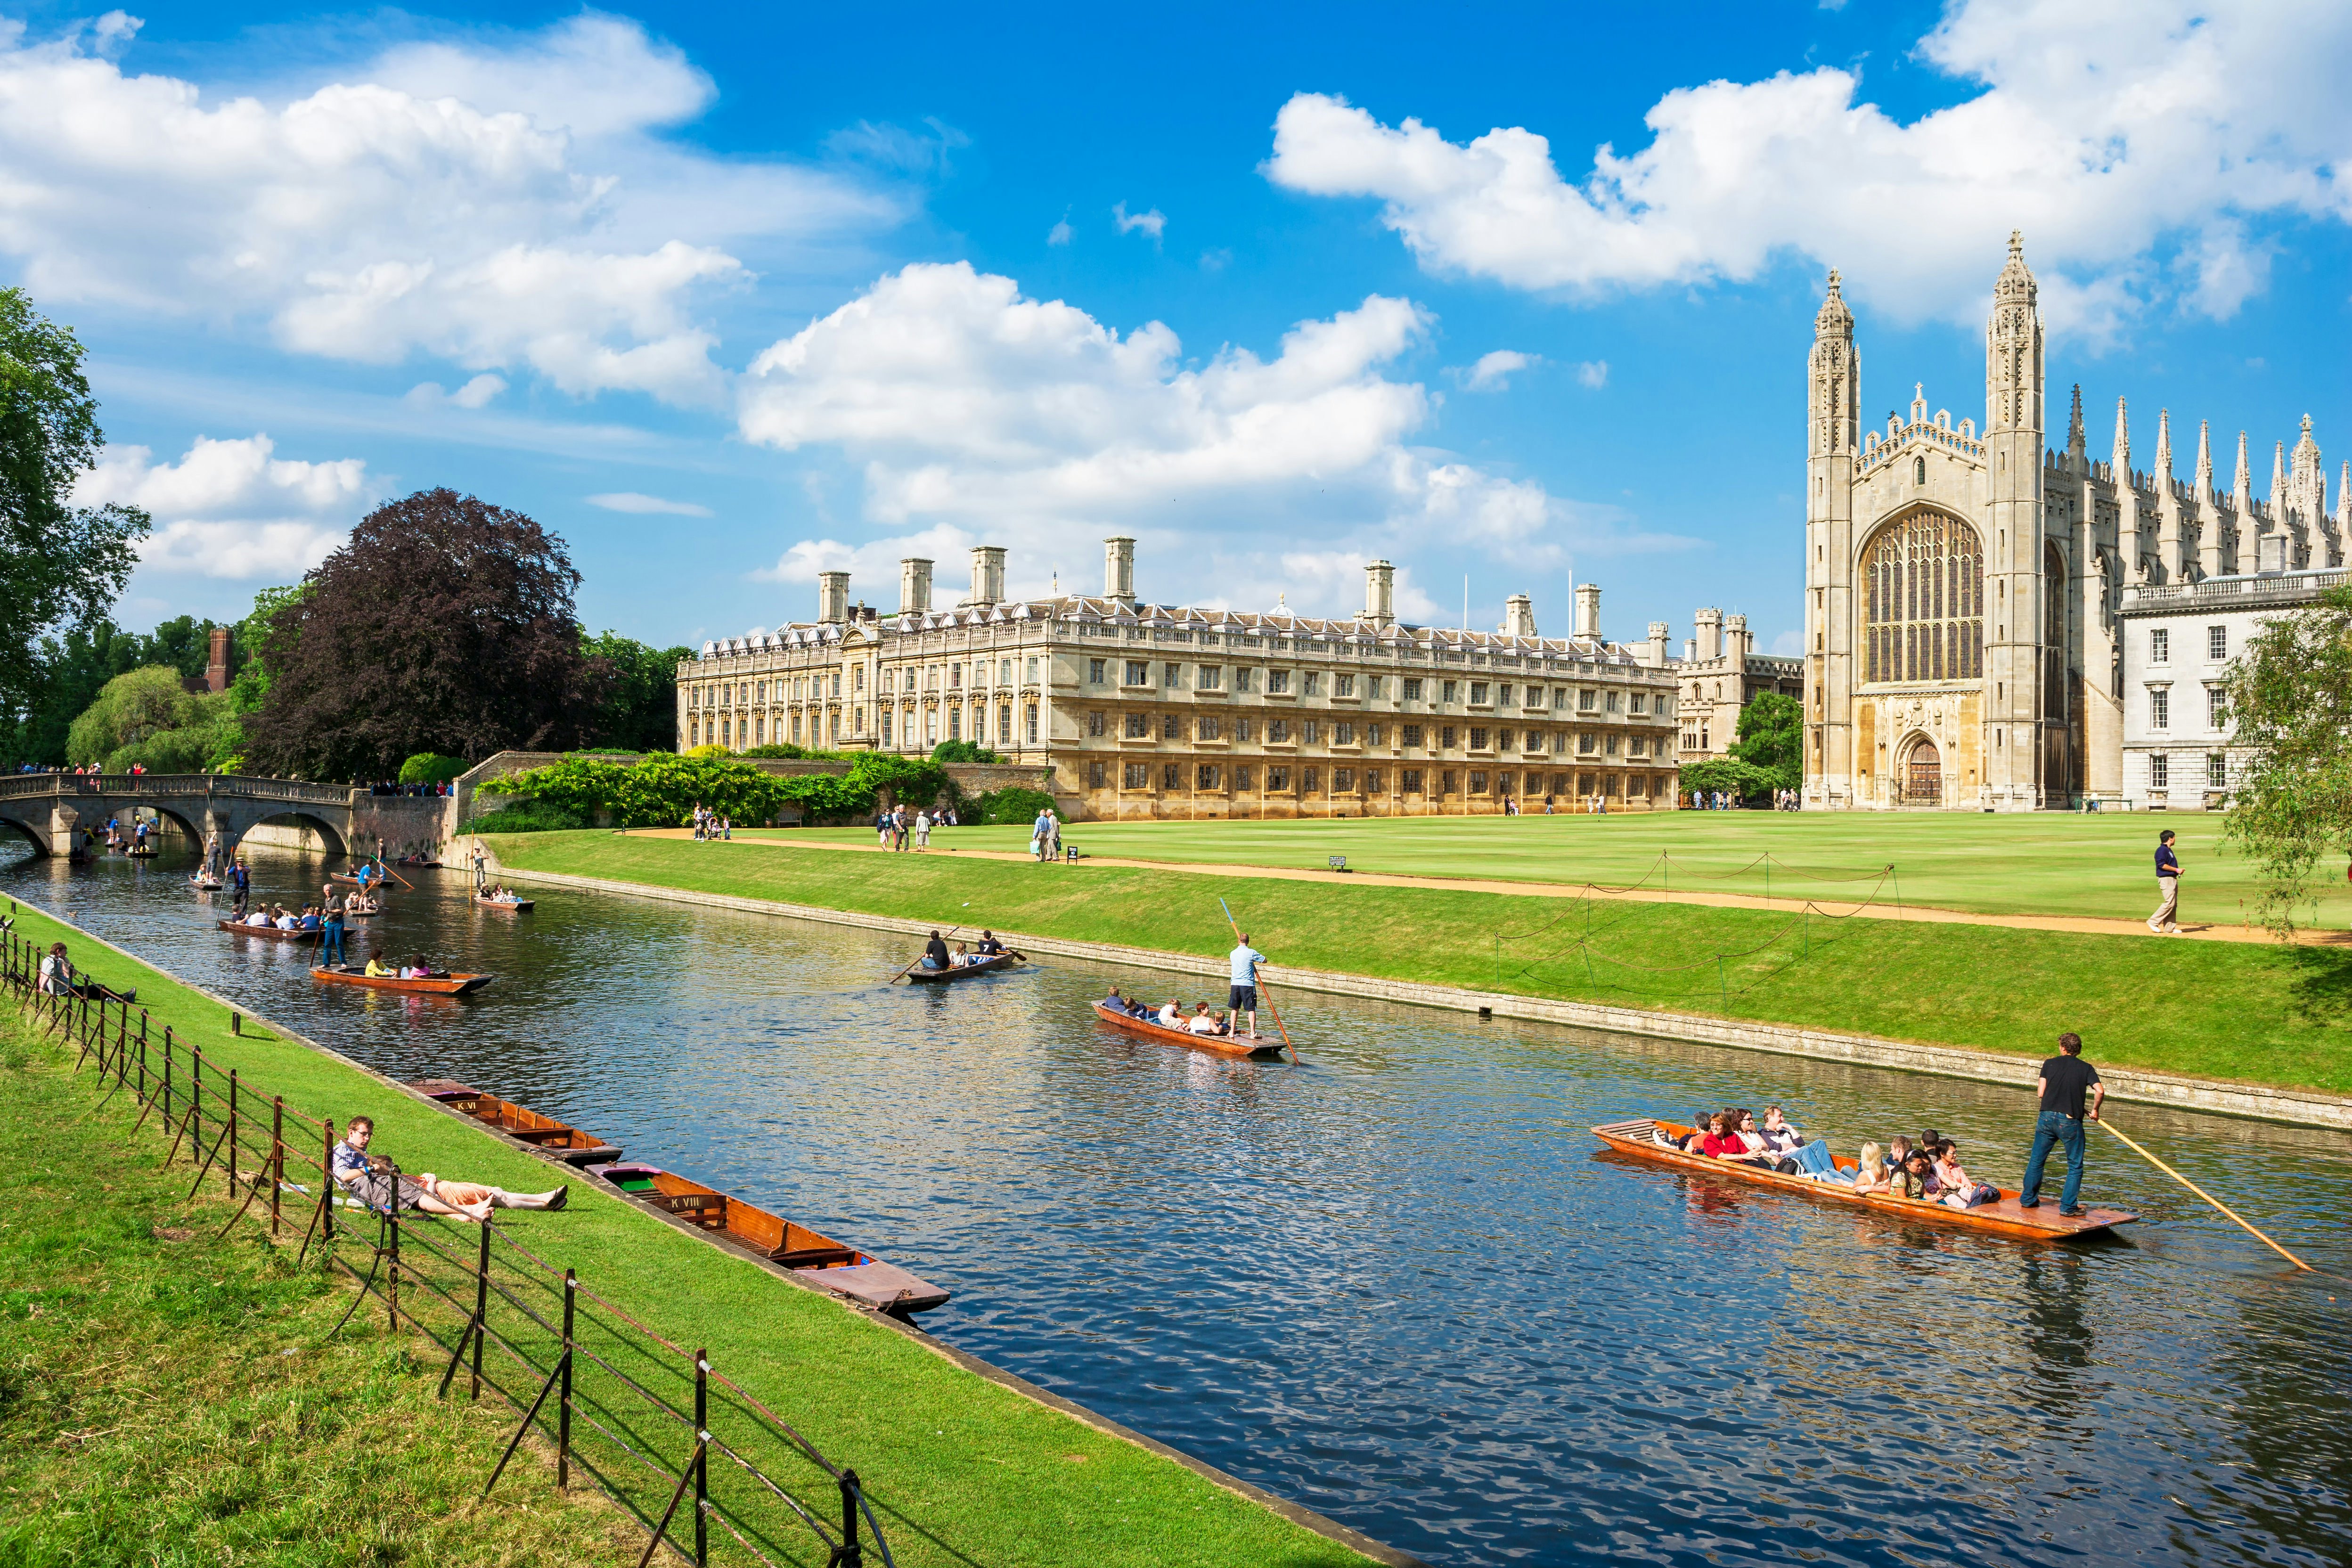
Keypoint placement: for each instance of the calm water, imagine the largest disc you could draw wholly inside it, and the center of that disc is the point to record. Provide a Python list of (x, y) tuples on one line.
[(1399, 1284)]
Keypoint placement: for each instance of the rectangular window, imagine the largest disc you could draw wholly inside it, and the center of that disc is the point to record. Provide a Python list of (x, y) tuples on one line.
[(1451, 686), (1136, 776), (1535, 697), (955, 677), (1638, 746), (1640, 702), (1094, 671), (1310, 683), (1206, 776), (1413, 694), (2216, 643), (1343, 686), (2159, 708), (1033, 723), (1094, 723), (1560, 783), (1377, 683), (1342, 780), (1245, 728), (836, 683), (1138, 673), (1032, 672), (1412, 781), (1413, 735), (2157, 770), (1478, 692), (889, 677), (1278, 731), (1094, 772), (1308, 779), (1310, 732), (1343, 734), (886, 726), (1586, 743), (1445, 738), (1609, 745), (1004, 723), (2159, 645), (1559, 696), (1138, 726), (1242, 680), (1584, 783), (1004, 672), (1208, 726), (1171, 728), (1371, 781), (1211, 678), (1477, 738), (1172, 676), (1616, 702), (1277, 681), (1477, 783), (2217, 708), (1371, 734), (1636, 786), (955, 724), (1587, 701), (1242, 779), (1278, 780), (2217, 770), (1172, 776), (1503, 694)]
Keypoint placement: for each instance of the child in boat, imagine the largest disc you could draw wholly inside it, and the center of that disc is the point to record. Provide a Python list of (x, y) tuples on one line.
[(1172, 1014), (379, 970)]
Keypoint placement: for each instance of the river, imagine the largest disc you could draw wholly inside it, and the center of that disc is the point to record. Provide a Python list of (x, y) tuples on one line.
[(1399, 1284)]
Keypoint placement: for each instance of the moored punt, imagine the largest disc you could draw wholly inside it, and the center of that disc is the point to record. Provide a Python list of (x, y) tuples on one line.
[(2002, 1217), (816, 1258), (524, 1125), (921, 976), (1217, 1045), (452, 984), (273, 933)]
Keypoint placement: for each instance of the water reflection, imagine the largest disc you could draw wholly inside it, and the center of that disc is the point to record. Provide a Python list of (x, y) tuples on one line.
[(1399, 1284)]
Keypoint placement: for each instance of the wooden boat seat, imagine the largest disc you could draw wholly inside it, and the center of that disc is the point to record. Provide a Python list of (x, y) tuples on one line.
[(815, 1257)]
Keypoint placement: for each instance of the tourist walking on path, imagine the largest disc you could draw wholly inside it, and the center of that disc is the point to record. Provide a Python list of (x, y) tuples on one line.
[(1054, 842), (2166, 922), (2065, 1079), (1041, 834), (922, 831), (898, 826), (1243, 997), (331, 910)]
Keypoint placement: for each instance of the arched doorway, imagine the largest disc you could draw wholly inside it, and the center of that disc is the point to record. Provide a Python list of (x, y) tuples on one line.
[(1923, 775)]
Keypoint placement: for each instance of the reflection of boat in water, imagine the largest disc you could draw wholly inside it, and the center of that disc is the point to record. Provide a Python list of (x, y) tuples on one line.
[(524, 1125), (1639, 1138), (451, 984), (1216, 1044), (919, 975), (272, 932), (816, 1258)]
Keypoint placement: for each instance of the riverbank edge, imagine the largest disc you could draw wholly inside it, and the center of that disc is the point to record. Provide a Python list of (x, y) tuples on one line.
[(2251, 1101), (1294, 1513)]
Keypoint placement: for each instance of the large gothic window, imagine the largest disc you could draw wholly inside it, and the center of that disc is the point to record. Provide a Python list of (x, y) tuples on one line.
[(1923, 600)]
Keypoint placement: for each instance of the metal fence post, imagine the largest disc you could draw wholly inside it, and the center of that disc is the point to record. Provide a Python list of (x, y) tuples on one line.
[(327, 1185), (701, 1456), (850, 1554), (143, 1055), (167, 1074), (564, 1405), (391, 1275), (481, 1307), (231, 1131), (276, 1158)]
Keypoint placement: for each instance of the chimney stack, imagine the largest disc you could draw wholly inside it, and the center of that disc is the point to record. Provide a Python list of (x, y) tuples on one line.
[(1654, 654), (1119, 569), (1737, 644), (1519, 616), (832, 597), (1710, 634), (1379, 594), (914, 586), (987, 574), (216, 662), (1588, 611)]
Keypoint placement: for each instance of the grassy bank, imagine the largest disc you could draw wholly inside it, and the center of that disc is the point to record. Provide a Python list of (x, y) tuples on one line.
[(169, 1398), (2256, 1014), (962, 1469), (2038, 863)]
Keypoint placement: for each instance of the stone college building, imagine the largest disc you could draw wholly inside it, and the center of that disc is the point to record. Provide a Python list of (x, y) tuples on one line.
[(1964, 592), (1164, 710)]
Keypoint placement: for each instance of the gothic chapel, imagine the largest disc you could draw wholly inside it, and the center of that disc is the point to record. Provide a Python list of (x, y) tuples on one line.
[(1961, 590)]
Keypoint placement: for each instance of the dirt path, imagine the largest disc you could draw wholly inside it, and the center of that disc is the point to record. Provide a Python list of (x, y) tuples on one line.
[(2084, 924)]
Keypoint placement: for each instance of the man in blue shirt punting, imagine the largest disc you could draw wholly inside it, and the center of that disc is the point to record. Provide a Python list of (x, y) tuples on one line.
[(1243, 997)]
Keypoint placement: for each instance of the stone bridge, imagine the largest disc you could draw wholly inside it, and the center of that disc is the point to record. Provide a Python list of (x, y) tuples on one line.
[(49, 809)]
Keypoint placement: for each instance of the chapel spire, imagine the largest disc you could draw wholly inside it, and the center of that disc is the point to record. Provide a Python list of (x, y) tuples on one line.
[(2074, 426), (2121, 458), (2164, 447), (2204, 460), (2242, 489), (1834, 394), (2013, 348)]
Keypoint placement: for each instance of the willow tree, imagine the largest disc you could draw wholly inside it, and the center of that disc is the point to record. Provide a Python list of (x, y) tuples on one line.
[(2290, 696)]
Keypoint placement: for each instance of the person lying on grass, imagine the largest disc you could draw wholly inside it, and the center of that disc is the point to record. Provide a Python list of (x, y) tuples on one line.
[(368, 1177)]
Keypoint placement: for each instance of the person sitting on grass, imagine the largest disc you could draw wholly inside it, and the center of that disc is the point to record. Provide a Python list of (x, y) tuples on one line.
[(369, 1178)]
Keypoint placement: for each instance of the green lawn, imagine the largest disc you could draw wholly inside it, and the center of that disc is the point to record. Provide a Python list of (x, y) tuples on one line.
[(2258, 1013), (2040, 863), (962, 1469)]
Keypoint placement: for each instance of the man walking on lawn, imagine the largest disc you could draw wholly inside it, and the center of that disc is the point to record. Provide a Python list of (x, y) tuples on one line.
[(2166, 922), (2065, 1078)]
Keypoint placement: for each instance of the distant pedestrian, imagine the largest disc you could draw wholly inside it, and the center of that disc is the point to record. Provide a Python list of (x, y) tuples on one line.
[(922, 831), (2065, 1079), (1041, 835), (727, 828), (882, 830), (2166, 922), (898, 826), (1054, 844)]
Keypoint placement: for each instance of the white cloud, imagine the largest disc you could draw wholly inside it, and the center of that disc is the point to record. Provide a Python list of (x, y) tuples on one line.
[(1061, 233), (1494, 371), (503, 202), (475, 394), (1153, 223), (1593, 373), (970, 406), (1790, 645), (631, 502), (2108, 134), (233, 508)]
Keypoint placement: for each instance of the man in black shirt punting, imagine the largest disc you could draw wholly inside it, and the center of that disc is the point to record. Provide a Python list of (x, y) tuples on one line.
[(2066, 1078)]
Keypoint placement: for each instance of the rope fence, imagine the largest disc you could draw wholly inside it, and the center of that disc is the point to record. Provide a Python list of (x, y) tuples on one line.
[(638, 1414)]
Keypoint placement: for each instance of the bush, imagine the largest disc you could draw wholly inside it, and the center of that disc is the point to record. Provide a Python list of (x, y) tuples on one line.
[(530, 816), (713, 750), (963, 752), (1744, 780), (661, 791), (432, 768), (1013, 804)]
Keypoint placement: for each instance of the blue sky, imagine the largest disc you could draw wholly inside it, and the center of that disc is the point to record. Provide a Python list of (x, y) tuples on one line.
[(805, 288)]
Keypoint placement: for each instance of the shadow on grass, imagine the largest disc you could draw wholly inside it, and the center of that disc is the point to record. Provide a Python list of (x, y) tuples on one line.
[(2321, 991)]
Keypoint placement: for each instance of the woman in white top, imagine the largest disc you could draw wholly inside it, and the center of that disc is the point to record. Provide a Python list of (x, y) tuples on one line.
[(1200, 1022)]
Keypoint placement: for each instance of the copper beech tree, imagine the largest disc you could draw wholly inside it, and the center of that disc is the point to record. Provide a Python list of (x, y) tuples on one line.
[(445, 625)]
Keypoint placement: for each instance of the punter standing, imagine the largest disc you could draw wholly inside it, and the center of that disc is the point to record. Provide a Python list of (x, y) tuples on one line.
[(2065, 1079), (2166, 922), (1243, 997)]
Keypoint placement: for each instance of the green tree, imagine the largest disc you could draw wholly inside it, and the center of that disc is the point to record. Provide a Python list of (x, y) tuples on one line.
[(59, 562), (149, 717), (637, 708), (1771, 738), (2290, 702), (1742, 780), (963, 752)]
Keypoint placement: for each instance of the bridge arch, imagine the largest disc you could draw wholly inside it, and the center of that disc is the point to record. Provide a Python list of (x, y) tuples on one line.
[(294, 816)]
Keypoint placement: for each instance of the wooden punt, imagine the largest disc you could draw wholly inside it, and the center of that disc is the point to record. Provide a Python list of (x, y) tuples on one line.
[(816, 1258), (519, 1122), (504, 903), (919, 975), (1639, 1140), (453, 984), (1263, 1047), (271, 932), (204, 884)]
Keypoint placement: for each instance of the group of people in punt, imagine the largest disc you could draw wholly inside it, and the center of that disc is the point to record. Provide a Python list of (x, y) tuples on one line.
[(414, 969), (1170, 1014), (936, 955), (1926, 1169), (284, 918), (497, 893)]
